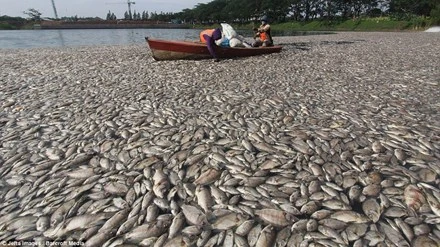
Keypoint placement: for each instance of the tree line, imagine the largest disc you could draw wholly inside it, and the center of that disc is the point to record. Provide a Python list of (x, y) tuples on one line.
[(243, 11), (305, 10), (145, 15)]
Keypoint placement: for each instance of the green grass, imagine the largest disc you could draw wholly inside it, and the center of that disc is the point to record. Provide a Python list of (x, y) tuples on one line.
[(6, 26), (360, 24)]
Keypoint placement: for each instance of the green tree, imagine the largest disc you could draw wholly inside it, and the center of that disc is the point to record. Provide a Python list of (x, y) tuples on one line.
[(145, 15), (435, 15), (281, 10), (408, 7), (33, 14), (275, 9), (153, 16), (110, 16), (134, 15)]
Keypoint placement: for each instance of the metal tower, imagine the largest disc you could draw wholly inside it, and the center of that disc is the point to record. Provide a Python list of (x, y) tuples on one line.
[(54, 9), (129, 7)]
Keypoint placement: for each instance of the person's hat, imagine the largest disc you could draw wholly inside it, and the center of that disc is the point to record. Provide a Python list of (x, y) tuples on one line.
[(264, 18)]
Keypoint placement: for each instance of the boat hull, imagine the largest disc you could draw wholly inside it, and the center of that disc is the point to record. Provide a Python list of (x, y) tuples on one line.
[(184, 50)]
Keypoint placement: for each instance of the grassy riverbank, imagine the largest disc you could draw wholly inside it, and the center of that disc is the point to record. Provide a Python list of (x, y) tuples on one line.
[(359, 24)]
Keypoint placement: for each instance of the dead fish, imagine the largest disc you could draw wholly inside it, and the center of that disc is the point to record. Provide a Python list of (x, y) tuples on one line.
[(309, 208), (299, 226), (254, 235), (374, 237), (227, 222), (24, 190), (18, 222), (414, 198), (356, 231), (191, 230), (424, 241), (393, 235), (127, 225), (333, 223), (275, 217), (116, 188), (111, 224), (253, 181), (194, 216), (301, 146), (219, 196), (434, 204), (247, 145), (377, 147), (267, 237), (60, 213), (334, 204), (282, 237), (372, 209), (270, 164), (81, 173), (296, 239), (152, 212), (421, 229), (427, 175), (321, 214), (178, 241), (154, 229), (148, 241), (208, 177), (350, 217), (244, 228), (229, 238), (405, 228), (97, 239), (264, 147), (395, 212), (240, 241), (203, 238), (204, 198), (120, 203), (331, 233), (42, 223), (161, 184), (78, 191), (176, 225), (75, 223)]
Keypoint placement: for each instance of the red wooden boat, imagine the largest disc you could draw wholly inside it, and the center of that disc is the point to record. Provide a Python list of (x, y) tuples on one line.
[(177, 50)]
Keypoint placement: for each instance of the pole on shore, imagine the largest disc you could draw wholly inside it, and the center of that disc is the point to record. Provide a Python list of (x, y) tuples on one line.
[(54, 9)]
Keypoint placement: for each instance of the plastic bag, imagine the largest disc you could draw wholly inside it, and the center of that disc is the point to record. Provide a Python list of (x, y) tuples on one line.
[(234, 42), (228, 31), (223, 41)]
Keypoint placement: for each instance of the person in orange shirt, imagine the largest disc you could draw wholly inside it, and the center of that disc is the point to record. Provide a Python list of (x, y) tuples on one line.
[(263, 36), (209, 37)]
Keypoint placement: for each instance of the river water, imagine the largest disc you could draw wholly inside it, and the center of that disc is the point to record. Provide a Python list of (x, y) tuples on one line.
[(10, 39)]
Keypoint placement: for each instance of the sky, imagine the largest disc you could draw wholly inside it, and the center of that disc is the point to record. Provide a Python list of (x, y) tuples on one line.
[(93, 8)]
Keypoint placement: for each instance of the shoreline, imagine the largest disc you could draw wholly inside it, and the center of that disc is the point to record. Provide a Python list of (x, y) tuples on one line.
[(255, 138)]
